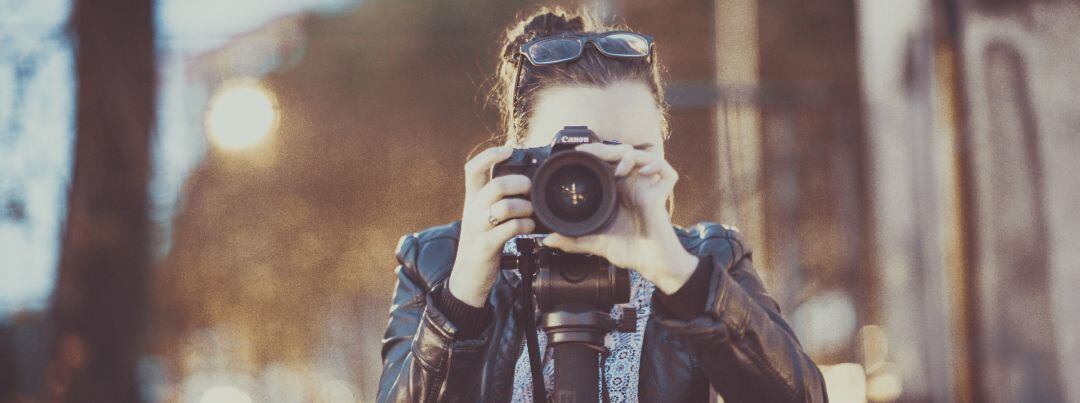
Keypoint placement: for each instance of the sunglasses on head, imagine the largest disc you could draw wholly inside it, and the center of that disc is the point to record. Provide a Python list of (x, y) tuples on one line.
[(566, 47)]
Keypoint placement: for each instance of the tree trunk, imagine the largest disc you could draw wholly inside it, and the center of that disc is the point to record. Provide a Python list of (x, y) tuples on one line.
[(99, 299)]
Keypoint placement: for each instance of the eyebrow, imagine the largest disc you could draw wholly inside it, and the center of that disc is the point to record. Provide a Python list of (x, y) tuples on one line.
[(644, 146)]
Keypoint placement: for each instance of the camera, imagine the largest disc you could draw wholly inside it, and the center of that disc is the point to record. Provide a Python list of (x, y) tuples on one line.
[(573, 192)]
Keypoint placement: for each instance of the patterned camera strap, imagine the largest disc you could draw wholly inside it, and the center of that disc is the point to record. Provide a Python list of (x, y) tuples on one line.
[(620, 365)]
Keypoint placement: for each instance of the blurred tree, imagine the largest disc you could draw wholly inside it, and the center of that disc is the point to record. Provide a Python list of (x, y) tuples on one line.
[(99, 298), (9, 371)]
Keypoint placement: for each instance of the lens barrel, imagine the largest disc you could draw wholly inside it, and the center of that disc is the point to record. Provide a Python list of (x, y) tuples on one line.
[(574, 193)]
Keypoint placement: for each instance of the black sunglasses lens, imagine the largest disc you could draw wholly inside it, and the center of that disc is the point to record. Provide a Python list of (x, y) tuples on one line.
[(554, 50), (623, 44)]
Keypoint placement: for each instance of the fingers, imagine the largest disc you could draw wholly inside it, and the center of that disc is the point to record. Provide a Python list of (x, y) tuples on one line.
[(646, 162), (494, 218), (606, 152), (568, 244), (478, 169), (501, 233), (506, 209), (633, 159), (659, 167), (501, 187)]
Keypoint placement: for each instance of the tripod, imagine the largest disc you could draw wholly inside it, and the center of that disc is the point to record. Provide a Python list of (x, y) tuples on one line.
[(575, 293)]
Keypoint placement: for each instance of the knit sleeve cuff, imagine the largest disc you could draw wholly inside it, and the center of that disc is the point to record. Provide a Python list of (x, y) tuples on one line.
[(470, 321), (689, 300)]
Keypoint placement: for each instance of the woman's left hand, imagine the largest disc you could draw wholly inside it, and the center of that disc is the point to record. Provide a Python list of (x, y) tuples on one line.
[(641, 236)]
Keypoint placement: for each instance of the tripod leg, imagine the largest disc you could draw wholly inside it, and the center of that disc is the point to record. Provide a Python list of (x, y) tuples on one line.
[(577, 375)]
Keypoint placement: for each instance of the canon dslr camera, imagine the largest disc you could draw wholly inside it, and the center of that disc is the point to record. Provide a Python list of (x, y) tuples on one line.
[(573, 192)]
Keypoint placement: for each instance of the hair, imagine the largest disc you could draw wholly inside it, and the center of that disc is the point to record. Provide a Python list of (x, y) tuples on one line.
[(592, 68)]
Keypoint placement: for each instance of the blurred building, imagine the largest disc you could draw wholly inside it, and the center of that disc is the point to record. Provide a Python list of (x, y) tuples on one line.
[(920, 167), (972, 137)]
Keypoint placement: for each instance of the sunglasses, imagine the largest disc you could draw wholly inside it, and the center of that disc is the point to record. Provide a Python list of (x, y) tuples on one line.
[(570, 46), (563, 48)]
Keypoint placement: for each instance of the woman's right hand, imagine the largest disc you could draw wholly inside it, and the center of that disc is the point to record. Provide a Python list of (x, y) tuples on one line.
[(480, 244)]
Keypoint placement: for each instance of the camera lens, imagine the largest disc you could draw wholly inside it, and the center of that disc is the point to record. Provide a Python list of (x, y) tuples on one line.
[(574, 193)]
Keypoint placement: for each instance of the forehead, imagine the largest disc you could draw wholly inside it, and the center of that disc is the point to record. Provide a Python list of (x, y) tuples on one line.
[(623, 111)]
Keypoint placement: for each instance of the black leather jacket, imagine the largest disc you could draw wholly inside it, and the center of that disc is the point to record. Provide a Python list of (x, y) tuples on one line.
[(739, 344)]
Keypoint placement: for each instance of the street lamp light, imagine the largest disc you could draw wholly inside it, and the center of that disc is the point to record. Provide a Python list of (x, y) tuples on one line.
[(241, 115)]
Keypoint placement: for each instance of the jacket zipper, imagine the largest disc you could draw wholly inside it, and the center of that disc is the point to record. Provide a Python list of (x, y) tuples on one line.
[(521, 349)]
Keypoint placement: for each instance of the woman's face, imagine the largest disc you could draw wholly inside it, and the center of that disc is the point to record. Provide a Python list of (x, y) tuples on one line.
[(624, 111)]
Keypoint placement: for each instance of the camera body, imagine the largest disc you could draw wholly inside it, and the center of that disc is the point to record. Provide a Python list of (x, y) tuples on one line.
[(573, 192)]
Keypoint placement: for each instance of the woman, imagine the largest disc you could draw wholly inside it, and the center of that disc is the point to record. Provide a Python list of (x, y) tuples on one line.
[(703, 318)]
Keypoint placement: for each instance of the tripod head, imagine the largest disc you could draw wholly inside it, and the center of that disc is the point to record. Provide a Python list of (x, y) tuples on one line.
[(575, 294), (560, 278)]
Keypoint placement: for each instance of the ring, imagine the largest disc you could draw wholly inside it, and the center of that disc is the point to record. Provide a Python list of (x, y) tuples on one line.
[(491, 218)]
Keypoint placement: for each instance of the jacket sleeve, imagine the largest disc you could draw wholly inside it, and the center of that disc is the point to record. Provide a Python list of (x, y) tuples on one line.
[(423, 360), (742, 344)]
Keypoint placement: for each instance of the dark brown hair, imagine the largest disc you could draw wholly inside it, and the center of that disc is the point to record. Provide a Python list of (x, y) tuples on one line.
[(592, 68)]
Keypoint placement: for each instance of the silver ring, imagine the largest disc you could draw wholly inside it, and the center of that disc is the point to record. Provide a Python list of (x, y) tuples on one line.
[(491, 218)]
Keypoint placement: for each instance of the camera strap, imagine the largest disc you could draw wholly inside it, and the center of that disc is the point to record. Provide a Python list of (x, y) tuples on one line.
[(529, 317)]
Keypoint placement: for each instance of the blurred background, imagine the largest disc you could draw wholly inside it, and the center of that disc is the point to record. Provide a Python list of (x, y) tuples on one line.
[(199, 200)]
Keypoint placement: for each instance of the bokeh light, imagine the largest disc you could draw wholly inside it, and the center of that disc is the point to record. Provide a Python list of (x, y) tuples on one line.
[(241, 115), (884, 383), (224, 394), (846, 382), (827, 320), (336, 391)]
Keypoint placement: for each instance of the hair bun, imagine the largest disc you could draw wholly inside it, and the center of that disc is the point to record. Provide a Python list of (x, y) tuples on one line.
[(544, 23), (550, 23)]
